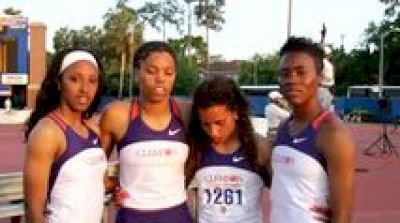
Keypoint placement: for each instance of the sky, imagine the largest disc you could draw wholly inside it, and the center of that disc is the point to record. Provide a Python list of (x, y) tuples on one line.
[(251, 26)]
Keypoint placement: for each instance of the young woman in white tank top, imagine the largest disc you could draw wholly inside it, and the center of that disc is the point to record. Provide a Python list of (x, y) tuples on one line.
[(65, 164), (151, 142), (227, 165)]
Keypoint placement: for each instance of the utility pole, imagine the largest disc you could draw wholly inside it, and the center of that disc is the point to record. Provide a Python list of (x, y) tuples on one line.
[(342, 41), (207, 36), (164, 34), (122, 74), (131, 40), (255, 70), (289, 25), (381, 59), (189, 30)]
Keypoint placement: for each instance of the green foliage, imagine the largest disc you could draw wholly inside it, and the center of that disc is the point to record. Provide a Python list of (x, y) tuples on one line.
[(89, 37), (12, 11), (166, 11), (116, 22), (116, 39), (108, 42), (358, 67), (261, 70), (194, 47), (209, 13), (361, 66), (391, 8), (187, 78), (188, 69), (111, 84)]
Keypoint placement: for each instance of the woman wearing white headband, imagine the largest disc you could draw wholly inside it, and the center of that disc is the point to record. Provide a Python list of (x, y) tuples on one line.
[(65, 165)]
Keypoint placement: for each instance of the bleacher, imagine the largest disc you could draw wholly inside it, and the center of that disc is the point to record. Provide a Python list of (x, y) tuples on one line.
[(12, 198)]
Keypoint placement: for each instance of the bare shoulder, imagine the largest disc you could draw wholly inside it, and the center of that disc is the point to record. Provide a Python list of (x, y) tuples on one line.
[(335, 137), (115, 118), (46, 131), (118, 106), (334, 126), (116, 112)]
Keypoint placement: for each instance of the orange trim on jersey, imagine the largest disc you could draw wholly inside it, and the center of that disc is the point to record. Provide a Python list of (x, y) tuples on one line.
[(323, 116), (134, 109), (58, 120), (174, 108)]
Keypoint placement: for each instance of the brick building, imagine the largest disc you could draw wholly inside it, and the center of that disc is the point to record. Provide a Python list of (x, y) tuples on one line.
[(22, 60)]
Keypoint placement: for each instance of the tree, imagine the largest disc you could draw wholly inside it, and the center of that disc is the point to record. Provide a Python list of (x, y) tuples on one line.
[(119, 44), (115, 28), (198, 48), (109, 42), (361, 66), (12, 11), (188, 70), (187, 78), (90, 37), (210, 15), (391, 47), (260, 70), (391, 8), (358, 67), (167, 11), (64, 38)]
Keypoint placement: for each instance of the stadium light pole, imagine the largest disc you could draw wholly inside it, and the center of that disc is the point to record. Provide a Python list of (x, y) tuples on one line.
[(381, 58), (122, 74), (289, 24), (126, 52), (130, 32)]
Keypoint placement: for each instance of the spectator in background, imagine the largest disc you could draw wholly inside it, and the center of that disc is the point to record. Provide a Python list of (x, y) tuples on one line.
[(327, 81), (275, 111), (8, 105)]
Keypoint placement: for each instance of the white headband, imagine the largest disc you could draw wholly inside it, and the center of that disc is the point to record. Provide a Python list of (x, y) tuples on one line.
[(75, 56)]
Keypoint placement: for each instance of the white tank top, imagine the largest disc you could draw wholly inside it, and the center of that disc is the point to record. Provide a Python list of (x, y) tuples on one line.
[(76, 184), (229, 191), (152, 164), (299, 180)]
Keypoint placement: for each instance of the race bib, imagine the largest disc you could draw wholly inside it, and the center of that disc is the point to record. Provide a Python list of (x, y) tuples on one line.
[(223, 195), (229, 195)]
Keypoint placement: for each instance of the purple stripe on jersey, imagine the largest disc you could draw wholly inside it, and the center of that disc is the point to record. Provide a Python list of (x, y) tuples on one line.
[(75, 145), (305, 142), (177, 214), (138, 131), (212, 158)]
